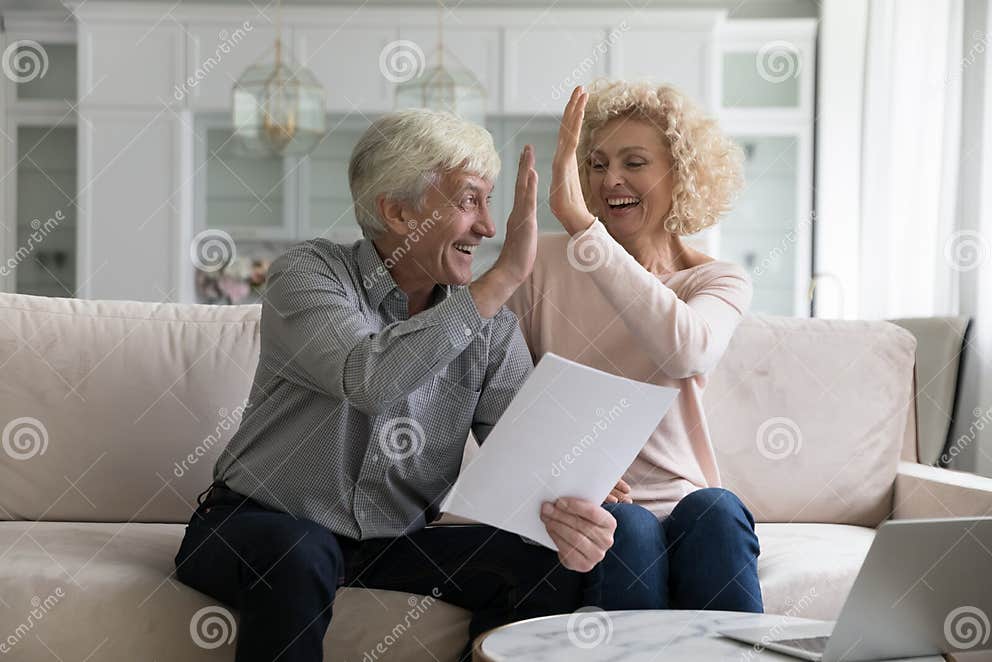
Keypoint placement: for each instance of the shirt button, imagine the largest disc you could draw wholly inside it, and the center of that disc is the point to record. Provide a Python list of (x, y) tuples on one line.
[(468, 332), (397, 295)]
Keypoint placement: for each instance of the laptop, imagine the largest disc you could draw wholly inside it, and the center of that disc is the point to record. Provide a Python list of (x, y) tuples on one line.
[(925, 588)]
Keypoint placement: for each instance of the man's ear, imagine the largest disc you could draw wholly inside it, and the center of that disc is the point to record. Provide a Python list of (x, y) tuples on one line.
[(392, 213)]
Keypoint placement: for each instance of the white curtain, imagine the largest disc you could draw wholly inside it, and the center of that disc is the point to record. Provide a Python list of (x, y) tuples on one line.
[(910, 154)]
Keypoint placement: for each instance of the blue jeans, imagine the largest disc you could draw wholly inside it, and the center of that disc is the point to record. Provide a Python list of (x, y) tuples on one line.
[(282, 572), (704, 555)]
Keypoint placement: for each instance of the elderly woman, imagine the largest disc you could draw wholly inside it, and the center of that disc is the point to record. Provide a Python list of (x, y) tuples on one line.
[(636, 168)]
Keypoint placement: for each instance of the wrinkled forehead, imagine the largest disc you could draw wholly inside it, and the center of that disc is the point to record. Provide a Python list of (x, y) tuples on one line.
[(460, 179)]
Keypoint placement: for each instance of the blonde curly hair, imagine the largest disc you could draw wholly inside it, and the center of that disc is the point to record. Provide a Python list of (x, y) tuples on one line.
[(707, 164)]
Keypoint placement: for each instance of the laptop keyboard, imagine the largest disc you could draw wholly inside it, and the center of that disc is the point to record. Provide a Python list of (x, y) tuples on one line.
[(808, 644)]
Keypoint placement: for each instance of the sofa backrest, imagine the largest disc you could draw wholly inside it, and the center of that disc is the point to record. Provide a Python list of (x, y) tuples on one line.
[(809, 417), (116, 410)]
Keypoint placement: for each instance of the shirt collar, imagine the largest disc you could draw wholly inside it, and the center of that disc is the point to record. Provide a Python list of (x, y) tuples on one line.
[(377, 280)]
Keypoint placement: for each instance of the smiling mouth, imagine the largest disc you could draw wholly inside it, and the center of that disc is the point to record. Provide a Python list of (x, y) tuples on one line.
[(467, 249), (622, 203)]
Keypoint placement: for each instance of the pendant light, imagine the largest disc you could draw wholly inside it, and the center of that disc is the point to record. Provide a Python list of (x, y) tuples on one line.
[(445, 86), (279, 106)]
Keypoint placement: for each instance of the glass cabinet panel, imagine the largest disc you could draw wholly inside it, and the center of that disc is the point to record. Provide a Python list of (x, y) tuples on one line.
[(331, 214), (48, 72), (242, 191), (759, 233), (44, 258), (764, 79)]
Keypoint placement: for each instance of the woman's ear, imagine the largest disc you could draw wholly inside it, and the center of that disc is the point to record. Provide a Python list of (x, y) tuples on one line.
[(391, 212)]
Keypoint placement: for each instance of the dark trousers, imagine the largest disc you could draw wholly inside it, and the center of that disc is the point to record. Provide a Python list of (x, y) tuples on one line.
[(704, 555), (281, 573)]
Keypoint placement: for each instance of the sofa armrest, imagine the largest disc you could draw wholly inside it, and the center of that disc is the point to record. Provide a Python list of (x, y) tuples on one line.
[(922, 491)]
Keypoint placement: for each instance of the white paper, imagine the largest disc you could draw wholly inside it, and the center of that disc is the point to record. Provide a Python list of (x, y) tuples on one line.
[(571, 431)]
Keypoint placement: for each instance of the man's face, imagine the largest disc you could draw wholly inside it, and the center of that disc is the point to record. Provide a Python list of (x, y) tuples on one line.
[(449, 226)]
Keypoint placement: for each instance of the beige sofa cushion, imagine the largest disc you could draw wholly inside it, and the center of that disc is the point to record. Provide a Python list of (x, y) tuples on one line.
[(116, 599), (807, 570), (808, 417), (116, 410), (116, 595)]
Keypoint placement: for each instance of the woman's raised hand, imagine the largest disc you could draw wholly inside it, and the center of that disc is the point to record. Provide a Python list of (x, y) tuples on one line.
[(566, 201)]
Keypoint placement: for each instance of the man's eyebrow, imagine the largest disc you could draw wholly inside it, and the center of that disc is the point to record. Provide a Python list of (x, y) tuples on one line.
[(475, 188)]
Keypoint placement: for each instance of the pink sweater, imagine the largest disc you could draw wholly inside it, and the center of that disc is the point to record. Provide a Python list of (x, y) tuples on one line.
[(669, 330)]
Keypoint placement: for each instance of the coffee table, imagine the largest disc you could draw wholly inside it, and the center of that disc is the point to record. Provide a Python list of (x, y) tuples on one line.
[(633, 636)]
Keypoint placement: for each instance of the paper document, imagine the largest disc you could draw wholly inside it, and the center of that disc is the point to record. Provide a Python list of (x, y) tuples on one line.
[(571, 431)]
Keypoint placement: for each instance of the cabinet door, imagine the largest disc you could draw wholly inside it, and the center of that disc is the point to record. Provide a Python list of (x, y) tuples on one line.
[(346, 61), (129, 206), (130, 64), (683, 59), (768, 231), (543, 64), (217, 55), (44, 258), (247, 195), (474, 49), (330, 213)]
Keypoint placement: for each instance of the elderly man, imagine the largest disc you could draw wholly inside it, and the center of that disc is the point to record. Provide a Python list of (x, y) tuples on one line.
[(376, 360)]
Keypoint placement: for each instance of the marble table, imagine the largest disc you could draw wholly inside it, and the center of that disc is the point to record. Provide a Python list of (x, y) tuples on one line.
[(633, 636)]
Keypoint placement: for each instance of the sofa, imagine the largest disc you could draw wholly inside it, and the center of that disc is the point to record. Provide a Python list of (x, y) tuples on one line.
[(114, 411)]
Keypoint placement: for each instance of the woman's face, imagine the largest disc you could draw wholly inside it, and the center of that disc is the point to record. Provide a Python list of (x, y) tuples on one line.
[(630, 176)]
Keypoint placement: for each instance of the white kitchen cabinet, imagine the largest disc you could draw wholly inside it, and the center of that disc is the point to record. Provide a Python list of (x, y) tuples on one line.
[(543, 64), (345, 59), (129, 225), (154, 100), (131, 64), (218, 53), (685, 59), (766, 104)]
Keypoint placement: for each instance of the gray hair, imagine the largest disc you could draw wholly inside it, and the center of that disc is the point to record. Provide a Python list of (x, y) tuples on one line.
[(404, 152)]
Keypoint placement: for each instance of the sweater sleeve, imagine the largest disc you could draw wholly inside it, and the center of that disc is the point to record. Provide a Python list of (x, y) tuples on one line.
[(521, 302), (684, 338)]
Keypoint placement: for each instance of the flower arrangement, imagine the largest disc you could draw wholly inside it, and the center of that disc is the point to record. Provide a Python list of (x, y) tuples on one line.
[(239, 279)]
